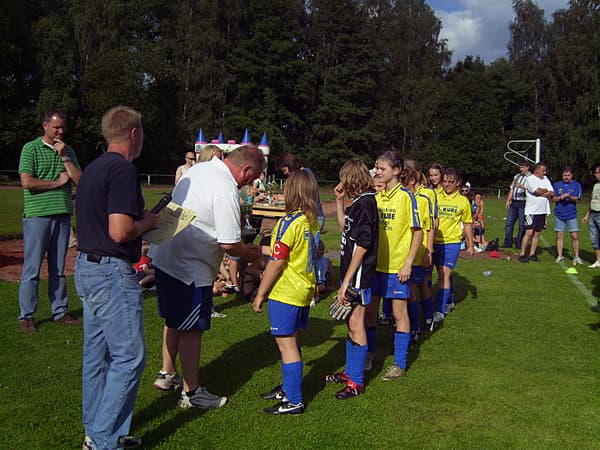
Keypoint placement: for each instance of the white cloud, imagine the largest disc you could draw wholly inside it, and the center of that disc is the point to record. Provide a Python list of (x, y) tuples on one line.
[(480, 28)]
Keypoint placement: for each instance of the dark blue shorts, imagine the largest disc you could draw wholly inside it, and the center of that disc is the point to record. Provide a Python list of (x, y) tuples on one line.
[(446, 254), (417, 275), (183, 307), (387, 285), (287, 319)]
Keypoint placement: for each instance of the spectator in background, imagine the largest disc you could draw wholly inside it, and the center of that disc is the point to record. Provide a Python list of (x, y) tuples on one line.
[(259, 184), (567, 194), (210, 151), (538, 191), (324, 273), (515, 205), (593, 216), (190, 160), (478, 221), (48, 169)]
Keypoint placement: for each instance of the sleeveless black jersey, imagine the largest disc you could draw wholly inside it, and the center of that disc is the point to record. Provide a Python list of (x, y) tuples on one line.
[(361, 227)]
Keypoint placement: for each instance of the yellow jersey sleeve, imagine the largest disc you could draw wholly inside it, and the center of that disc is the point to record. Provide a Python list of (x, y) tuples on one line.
[(426, 216)]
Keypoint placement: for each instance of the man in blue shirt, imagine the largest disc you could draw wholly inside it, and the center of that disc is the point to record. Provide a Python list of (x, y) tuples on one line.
[(567, 194)]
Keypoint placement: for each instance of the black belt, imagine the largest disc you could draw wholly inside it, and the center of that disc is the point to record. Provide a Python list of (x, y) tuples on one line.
[(596, 212), (93, 258)]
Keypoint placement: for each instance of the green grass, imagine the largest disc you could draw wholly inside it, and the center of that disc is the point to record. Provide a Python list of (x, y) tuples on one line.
[(515, 366)]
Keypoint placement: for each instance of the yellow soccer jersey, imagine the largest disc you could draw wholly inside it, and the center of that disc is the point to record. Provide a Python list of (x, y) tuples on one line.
[(296, 285), (433, 197), (453, 210), (426, 216), (398, 215)]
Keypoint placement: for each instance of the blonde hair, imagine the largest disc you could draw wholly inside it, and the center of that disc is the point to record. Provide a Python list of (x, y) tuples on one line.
[(355, 177), (208, 152), (118, 122), (301, 190)]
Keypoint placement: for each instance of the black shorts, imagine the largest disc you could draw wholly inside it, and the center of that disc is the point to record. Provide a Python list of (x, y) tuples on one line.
[(183, 307), (535, 222)]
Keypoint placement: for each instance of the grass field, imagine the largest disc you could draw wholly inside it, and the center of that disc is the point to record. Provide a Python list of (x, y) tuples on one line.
[(516, 365)]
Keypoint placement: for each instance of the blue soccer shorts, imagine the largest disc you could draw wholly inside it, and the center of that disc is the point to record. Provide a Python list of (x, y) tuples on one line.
[(417, 275), (446, 254), (387, 285), (286, 319)]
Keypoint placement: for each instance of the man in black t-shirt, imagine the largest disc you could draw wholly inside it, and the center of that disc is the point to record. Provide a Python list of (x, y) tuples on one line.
[(110, 222)]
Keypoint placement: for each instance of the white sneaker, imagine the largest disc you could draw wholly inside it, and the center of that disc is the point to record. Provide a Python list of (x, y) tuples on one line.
[(168, 381), (596, 265), (559, 259), (577, 260)]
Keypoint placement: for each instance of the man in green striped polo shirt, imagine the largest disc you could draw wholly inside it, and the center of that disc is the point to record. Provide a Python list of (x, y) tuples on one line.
[(48, 169)]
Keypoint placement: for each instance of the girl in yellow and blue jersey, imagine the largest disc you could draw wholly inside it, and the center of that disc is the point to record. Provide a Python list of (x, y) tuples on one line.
[(412, 180), (454, 211), (290, 278), (400, 237)]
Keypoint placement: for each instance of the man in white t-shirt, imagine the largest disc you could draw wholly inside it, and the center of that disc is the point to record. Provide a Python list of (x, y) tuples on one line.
[(190, 160), (538, 191), (187, 265)]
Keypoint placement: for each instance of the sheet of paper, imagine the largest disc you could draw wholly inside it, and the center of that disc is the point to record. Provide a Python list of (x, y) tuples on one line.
[(171, 220)]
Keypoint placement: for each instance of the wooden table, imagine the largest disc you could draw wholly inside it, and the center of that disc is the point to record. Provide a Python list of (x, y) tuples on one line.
[(268, 211)]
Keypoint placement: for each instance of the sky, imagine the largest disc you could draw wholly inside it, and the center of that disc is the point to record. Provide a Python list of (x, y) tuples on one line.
[(480, 27)]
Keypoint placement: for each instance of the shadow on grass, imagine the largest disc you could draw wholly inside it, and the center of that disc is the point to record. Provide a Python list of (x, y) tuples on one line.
[(239, 362), (463, 287), (588, 256), (596, 284)]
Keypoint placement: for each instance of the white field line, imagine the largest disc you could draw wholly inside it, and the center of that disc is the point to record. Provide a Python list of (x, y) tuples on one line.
[(578, 284)]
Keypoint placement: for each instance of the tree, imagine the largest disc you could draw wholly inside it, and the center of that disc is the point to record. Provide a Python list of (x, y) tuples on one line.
[(343, 58), (574, 59), (268, 91)]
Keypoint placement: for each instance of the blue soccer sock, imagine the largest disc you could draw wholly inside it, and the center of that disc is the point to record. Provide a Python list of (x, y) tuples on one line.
[(401, 344), (386, 308), (442, 300), (413, 315), (427, 308), (292, 381), (356, 355), (371, 338)]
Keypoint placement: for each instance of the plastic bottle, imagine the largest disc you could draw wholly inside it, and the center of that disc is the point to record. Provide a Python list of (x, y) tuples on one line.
[(487, 273)]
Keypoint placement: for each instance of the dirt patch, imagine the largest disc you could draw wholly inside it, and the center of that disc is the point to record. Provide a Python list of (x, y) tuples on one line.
[(502, 254), (11, 253), (11, 261)]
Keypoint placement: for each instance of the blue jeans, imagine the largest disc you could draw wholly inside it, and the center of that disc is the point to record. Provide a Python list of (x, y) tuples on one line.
[(516, 211), (594, 223), (40, 235), (114, 353)]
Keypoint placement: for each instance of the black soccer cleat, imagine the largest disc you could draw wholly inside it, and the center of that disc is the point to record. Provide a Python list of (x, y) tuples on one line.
[(285, 408), (277, 393), (339, 377)]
